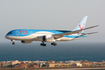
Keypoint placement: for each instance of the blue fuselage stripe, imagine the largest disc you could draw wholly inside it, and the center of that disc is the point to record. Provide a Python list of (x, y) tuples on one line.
[(27, 32)]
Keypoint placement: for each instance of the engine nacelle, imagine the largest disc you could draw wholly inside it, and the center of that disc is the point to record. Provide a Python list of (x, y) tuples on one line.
[(48, 38), (25, 42)]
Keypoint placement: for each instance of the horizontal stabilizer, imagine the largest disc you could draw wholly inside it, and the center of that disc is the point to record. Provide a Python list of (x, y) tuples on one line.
[(91, 33), (88, 33)]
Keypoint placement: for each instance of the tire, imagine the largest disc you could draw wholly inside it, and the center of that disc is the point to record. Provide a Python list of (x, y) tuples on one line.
[(55, 44), (41, 44), (44, 44), (52, 43), (13, 43)]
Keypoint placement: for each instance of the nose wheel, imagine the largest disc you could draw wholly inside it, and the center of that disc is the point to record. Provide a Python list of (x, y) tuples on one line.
[(54, 44), (13, 42)]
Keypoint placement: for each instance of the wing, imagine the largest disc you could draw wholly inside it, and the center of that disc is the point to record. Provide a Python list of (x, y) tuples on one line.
[(56, 36)]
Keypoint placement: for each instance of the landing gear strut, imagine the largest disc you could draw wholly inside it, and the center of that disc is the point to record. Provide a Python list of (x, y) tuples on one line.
[(13, 42), (42, 44), (54, 44)]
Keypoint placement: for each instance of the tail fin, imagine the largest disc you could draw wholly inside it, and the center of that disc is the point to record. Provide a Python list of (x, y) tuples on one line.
[(82, 24)]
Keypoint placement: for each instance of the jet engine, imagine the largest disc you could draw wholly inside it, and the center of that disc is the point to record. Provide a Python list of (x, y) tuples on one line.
[(48, 38), (25, 42)]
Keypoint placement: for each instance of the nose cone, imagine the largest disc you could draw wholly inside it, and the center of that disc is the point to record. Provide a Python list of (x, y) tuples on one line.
[(6, 36)]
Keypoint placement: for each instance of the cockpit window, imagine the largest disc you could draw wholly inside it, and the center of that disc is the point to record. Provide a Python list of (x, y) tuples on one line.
[(10, 33)]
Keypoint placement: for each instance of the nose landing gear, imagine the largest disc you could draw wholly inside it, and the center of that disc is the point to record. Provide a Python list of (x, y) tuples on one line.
[(13, 42)]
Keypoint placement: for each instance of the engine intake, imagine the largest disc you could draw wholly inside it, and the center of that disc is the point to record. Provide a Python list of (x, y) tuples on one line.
[(25, 42)]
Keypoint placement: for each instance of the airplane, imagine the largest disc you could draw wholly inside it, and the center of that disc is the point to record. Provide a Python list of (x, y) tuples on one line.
[(29, 35)]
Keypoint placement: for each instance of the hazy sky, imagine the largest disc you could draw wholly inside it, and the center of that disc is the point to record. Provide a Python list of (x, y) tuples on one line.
[(52, 14)]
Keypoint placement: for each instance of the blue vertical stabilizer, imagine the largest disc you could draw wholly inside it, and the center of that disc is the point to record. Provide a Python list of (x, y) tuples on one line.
[(82, 24)]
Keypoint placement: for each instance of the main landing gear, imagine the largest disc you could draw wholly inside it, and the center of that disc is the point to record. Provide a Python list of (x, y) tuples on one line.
[(42, 44), (13, 42), (54, 44)]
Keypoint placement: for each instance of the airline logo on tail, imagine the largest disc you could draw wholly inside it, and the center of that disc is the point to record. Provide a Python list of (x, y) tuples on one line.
[(82, 26)]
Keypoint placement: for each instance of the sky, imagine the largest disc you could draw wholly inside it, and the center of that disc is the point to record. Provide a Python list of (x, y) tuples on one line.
[(52, 14)]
